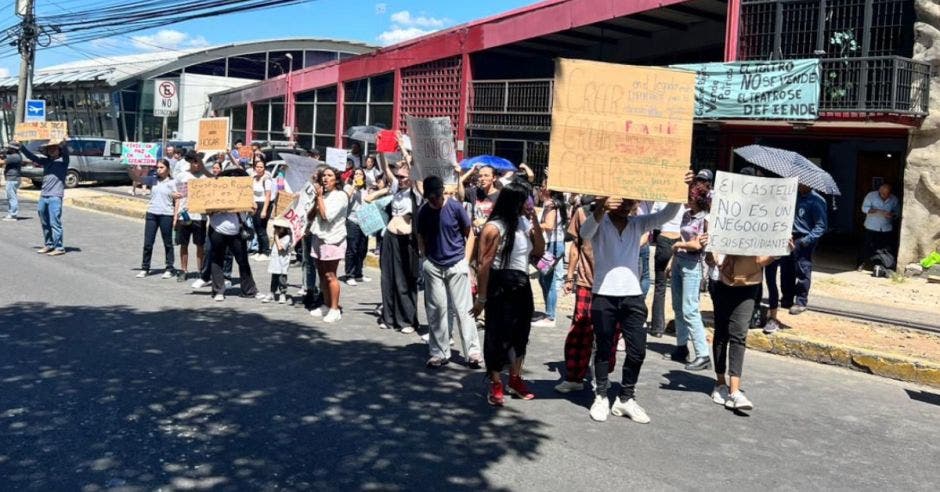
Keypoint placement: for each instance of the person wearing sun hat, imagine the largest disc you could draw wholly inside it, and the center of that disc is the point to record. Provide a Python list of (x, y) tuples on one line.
[(54, 162)]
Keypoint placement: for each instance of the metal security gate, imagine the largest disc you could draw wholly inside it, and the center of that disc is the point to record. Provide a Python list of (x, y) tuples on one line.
[(431, 90)]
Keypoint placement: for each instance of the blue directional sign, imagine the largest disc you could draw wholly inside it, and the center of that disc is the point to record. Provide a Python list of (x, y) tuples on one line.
[(35, 110)]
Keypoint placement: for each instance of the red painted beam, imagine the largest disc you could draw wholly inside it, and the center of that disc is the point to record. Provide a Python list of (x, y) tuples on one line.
[(732, 29), (249, 123), (340, 115), (466, 76)]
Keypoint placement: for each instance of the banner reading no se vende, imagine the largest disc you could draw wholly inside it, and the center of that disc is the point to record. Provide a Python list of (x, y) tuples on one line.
[(785, 89)]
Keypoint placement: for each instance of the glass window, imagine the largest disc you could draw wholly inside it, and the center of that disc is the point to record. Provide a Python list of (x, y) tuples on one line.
[(277, 118), (355, 114), (303, 118), (260, 119), (115, 148), (304, 141), (357, 90), (383, 88), (89, 148), (326, 119), (309, 96), (318, 57), (239, 117), (249, 66), (380, 115), (327, 94)]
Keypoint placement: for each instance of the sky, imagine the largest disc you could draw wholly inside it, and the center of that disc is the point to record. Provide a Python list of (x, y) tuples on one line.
[(378, 22)]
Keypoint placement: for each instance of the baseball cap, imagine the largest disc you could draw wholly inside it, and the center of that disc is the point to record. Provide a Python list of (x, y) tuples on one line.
[(705, 175)]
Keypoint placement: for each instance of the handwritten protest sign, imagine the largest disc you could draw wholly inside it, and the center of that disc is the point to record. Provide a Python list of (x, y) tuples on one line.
[(336, 158), (54, 131), (785, 89), (245, 152), (372, 216), (140, 153), (296, 213), (299, 170), (434, 151), (284, 202), (620, 130), (213, 135), (751, 216), (221, 195)]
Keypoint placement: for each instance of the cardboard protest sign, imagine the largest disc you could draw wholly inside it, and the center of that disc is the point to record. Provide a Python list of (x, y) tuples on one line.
[(783, 89), (54, 131), (299, 170), (434, 151), (372, 216), (140, 153), (336, 158), (213, 135), (245, 152), (751, 216), (284, 202), (296, 213), (621, 130), (221, 195)]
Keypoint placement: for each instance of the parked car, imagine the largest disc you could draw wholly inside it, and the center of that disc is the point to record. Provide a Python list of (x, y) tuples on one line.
[(90, 159)]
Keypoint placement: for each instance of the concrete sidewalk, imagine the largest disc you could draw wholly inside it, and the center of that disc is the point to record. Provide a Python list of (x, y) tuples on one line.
[(816, 337)]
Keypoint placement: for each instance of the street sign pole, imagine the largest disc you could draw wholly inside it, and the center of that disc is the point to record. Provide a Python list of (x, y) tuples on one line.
[(163, 149)]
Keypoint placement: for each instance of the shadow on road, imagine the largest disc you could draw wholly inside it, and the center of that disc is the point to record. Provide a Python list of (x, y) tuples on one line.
[(100, 397)]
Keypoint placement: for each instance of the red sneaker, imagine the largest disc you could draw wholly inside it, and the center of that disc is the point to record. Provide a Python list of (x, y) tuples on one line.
[(518, 388), (495, 396)]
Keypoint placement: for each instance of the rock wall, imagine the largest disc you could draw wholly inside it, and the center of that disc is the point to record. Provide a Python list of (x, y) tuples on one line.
[(920, 226)]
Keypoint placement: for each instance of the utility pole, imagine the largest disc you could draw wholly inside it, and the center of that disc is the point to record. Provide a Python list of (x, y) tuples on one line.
[(26, 45)]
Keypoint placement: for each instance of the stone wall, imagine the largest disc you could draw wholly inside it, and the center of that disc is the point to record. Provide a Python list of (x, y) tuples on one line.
[(920, 227)]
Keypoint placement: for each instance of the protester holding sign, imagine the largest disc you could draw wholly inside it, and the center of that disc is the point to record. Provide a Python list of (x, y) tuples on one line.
[(55, 165), (160, 215), (262, 187), (689, 252), (227, 231), (189, 225), (357, 243), (509, 240), (328, 227), (399, 258), (618, 301)]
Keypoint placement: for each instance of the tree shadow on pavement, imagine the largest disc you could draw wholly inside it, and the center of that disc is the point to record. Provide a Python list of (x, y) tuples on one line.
[(113, 397)]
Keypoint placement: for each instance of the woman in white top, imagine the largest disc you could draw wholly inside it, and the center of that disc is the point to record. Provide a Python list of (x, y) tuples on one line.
[(509, 239), (262, 185), (357, 243), (163, 196), (328, 228)]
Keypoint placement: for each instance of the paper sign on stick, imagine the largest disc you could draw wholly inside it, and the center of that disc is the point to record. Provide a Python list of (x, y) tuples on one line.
[(296, 214), (213, 135), (139, 153), (621, 130), (54, 131), (336, 158), (434, 150), (300, 169), (221, 195), (284, 202), (751, 216)]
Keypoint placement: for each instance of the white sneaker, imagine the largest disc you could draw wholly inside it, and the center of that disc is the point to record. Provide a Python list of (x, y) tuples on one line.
[(199, 283), (544, 323), (737, 401), (282, 299), (630, 409), (351, 282), (568, 387), (268, 298), (621, 346), (260, 296), (427, 337), (600, 409), (720, 394), (316, 312), (333, 316), (219, 297), (167, 274), (261, 257), (364, 279), (408, 330), (301, 292), (142, 274), (228, 284)]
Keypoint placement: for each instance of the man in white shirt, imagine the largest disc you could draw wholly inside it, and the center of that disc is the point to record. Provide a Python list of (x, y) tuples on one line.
[(618, 300), (881, 208)]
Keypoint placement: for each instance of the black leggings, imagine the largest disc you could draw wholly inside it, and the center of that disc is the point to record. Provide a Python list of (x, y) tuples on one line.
[(734, 307), (509, 311), (163, 223), (261, 228), (220, 243)]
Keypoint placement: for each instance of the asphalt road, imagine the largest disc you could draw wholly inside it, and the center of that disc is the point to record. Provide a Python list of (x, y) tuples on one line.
[(107, 381)]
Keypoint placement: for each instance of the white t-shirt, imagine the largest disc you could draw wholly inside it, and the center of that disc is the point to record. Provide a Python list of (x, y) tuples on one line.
[(225, 223), (261, 185), (333, 229), (674, 223), (179, 167), (280, 261), (183, 187), (521, 248), (372, 175)]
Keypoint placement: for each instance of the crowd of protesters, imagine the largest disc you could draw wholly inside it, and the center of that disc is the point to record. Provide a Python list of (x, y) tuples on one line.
[(471, 247)]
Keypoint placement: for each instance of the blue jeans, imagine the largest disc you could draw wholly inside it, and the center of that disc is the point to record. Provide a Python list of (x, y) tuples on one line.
[(50, 216), (13, 185), (551, 281), (645, 269), (686, 281)]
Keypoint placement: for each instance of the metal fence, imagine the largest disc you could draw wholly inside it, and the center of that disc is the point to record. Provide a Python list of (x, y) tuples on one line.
[(520, 105), (888, 84)]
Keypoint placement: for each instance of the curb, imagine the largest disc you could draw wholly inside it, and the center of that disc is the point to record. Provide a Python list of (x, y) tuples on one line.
[(781, 343), (871, 362)]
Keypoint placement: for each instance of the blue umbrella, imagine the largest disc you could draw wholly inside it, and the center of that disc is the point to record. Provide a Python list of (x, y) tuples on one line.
[(497, 163), (787, 164)]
